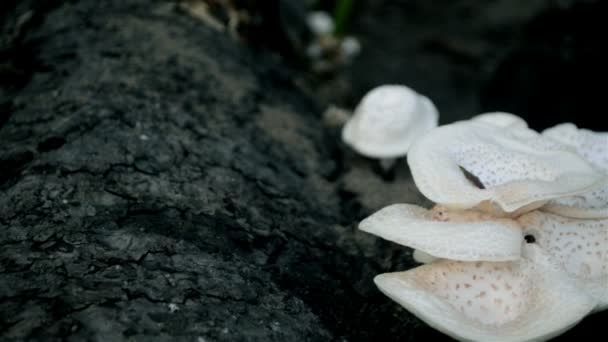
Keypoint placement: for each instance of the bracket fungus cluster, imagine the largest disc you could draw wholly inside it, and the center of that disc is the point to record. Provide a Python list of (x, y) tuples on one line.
[(516, 247)]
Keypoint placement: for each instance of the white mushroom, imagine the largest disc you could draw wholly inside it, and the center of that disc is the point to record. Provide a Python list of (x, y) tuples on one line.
[(501, 119), (320, 23), (471, 163), (593, 146), (560, 275), (579, 246), (525, 300), (497, 270), (442, 233), (387, 120), (350, 47)]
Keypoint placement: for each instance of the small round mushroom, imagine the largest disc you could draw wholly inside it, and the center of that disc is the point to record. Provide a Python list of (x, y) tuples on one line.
[(386, 122), (350, 47), (320, 23)]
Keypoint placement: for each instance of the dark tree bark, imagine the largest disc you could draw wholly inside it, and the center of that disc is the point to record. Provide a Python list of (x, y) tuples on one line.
[(160, 181)]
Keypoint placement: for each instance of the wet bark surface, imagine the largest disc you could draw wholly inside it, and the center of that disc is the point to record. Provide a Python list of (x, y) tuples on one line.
[(161, 181)]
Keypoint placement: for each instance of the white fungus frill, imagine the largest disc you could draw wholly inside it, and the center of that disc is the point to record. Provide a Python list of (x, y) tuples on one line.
[(525, 300), (442, 233), (474, 164), (593, 146), (578, 246)]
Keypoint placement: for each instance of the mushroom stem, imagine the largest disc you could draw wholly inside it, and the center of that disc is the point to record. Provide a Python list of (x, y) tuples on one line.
[(387, 164)]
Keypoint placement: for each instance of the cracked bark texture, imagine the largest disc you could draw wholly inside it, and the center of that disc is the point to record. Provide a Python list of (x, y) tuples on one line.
[(160, 181)]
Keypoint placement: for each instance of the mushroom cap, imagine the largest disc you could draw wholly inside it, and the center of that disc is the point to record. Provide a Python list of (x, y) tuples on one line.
[(442, 233), (525, 300), (320, 23), (472, 163), (593, 146), (387, 120), (501, 119), (579, 246)]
